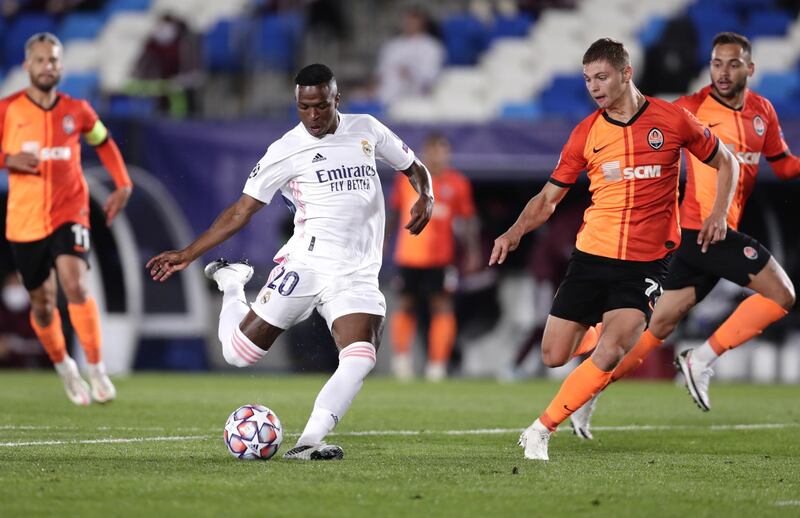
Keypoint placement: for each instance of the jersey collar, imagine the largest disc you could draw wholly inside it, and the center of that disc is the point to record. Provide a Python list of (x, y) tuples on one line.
[(615, 122)]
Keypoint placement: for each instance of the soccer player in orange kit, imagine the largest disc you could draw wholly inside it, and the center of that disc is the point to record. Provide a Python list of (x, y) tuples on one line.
[(47, 221), (423, 260), (748, 125), (631, 149)]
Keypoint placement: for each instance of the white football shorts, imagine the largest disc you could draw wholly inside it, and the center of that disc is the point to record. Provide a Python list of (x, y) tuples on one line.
[(293, 290)]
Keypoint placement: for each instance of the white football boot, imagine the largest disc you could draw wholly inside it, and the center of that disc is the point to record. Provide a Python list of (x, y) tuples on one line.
[(581, 419), (697, 376), (436, 371), (103, 390), (224, 273), (534, 439), (76, 388), (320, 451), (403, 366)]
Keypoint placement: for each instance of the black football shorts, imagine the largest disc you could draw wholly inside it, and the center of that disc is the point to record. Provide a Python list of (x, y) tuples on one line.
[(735, 258), (35, 259), (595, 285)]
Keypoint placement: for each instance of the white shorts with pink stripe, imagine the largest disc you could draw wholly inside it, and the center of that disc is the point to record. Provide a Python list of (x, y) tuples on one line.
[(293, 290)]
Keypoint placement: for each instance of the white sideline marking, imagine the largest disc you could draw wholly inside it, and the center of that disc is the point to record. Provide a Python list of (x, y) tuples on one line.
[(107, 441), (784, 503), (478, 431)]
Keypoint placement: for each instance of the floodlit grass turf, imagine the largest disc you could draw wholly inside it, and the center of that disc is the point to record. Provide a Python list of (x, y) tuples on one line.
[(690, 470)]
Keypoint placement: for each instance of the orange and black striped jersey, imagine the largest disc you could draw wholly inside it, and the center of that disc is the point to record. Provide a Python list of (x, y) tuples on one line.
[(633, 173), (748, 132), (58, 194)]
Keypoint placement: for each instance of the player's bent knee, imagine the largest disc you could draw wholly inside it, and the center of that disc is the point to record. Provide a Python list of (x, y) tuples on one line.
[(553, 359), (787, 298), (240, 351)]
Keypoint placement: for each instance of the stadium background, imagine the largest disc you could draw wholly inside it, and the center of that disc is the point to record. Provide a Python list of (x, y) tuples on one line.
[(507, 98)]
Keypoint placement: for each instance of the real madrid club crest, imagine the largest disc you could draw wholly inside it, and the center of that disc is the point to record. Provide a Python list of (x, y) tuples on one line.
[(68, 123), (366, 147), (655, 138), (758, 125)]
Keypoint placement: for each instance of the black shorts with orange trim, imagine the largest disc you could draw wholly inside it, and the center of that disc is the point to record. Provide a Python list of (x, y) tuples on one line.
[(735, 258), (34, 260), (595, 285), (420, 283)]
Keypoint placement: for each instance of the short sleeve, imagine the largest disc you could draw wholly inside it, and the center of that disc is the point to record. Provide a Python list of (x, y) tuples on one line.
[(390, 149), (775, 146), (88, 117), (697, 139), (571, 161), (267, 177)]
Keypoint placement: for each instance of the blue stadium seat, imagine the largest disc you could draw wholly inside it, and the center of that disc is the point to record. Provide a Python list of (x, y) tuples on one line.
[(18, 33), (516, 26), (85, 85), (277, 40), (777, 86), (567, 97), (652, 31), (465, 37), (365, 105), (80, 26), (117, 6), (221, 48), (530, 110), (708, 20), (767, 23)]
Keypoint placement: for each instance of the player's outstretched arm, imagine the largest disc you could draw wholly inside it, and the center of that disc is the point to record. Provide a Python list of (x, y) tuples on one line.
[(229, 222), (536, 212), (421, 211), (787, 167), (715, 226)]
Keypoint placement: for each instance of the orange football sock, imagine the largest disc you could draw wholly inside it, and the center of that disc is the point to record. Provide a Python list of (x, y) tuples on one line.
[(403, 329), (441, 337), (636, 356), (749, 319), (578, 388), (589, 341), (85, 319), (52, 337)]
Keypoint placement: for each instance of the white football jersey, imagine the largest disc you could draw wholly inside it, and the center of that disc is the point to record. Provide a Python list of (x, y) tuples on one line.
[(333, 187)]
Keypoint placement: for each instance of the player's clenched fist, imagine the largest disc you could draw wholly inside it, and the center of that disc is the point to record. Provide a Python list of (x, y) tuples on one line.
[(504, 244)]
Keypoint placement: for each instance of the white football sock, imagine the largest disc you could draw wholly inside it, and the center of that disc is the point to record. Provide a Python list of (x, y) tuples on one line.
[(705, 354), (237, 349), (355, 362)]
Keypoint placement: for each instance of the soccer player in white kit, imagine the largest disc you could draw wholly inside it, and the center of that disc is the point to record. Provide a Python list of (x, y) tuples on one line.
[(326, 168)]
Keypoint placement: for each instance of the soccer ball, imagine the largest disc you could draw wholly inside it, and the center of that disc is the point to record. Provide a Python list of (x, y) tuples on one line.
[(253, 432)]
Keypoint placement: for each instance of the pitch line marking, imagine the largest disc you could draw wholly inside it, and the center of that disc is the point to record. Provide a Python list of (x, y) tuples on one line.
[(362, 433), (164, 438)]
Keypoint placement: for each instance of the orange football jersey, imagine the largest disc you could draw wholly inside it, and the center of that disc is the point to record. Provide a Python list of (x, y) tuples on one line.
[(434, 247), (57, 194), (748, 132), (633, 173)]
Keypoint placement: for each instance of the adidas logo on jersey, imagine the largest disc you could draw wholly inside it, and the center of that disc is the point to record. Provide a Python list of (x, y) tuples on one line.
[(318, 158)]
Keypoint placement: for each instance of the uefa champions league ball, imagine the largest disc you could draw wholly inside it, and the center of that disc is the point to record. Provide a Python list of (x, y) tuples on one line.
[(253, 432)]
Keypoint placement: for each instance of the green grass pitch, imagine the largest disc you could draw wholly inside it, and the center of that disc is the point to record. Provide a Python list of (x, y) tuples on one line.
[(413, 449)]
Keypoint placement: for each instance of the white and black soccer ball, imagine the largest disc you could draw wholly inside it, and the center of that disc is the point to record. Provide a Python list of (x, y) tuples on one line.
[(253, 432)]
